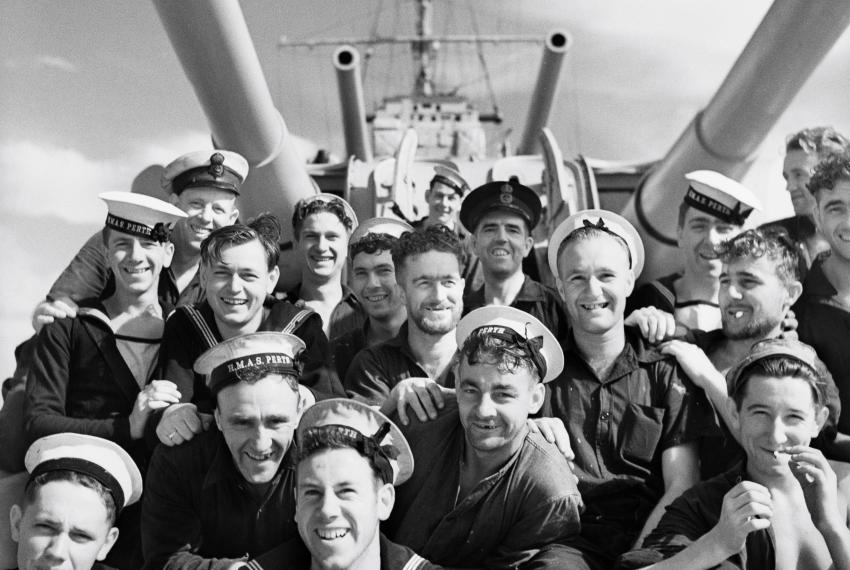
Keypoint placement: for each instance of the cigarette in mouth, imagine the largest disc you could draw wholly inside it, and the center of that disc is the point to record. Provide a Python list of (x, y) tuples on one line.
[(739, 314)]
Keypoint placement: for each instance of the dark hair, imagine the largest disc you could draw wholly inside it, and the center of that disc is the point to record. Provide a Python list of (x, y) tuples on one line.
[(308, 207), (343, 437), (371, 244), (77, 478), (589, 232), (775, 244), (264, 228), (828, 172), (821, 141), (782, 366), (432, 238), (507, 357)]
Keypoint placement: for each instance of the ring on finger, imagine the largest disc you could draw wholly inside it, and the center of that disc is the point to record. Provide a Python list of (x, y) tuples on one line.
[(171, 435)]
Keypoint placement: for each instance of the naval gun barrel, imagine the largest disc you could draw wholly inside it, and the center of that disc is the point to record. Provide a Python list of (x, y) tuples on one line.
[(791, 40), (214, 47), (545, 89), (346, 61)]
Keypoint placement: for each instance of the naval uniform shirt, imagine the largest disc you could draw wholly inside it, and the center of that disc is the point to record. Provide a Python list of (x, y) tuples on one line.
[(376, 370), (293, 555), (348, 315), (506, 519), (619, 426), (534, 298), (691, 516), (199, 514)]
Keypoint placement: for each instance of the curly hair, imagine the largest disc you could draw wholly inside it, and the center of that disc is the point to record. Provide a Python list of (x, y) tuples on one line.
[(773, 243), (308, 207), (506, 357), (828, 172), (821, 141), (432, 238), (77, 478), (371, 244), (265, 229)]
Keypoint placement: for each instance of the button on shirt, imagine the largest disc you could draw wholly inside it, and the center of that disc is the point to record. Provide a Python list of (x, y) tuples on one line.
[(528, 503), (198, 511), (376, 370), (620, 425)]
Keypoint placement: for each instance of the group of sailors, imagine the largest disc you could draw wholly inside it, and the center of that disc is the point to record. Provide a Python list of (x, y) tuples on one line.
[(176, 410)]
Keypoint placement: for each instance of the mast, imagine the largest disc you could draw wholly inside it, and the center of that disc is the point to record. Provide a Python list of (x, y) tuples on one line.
[(425, 49)]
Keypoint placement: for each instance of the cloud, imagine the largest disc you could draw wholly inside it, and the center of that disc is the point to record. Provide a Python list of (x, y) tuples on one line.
[(55, 62)]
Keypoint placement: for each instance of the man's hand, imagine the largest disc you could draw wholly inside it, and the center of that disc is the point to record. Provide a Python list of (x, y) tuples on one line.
[(156, 395), (655, 325), (553, 431), (819, 483), (695, 363), (424, 396), (180, 423), (51, 309), (746, 507)]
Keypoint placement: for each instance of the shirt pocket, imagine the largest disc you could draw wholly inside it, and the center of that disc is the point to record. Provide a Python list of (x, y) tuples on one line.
[(640, 433)]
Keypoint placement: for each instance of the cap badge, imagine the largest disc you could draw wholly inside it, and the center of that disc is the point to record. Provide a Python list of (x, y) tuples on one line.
[(506, 196), (216, 165)]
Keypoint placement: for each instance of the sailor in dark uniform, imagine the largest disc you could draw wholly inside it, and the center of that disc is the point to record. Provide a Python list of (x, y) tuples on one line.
[(239, 268), (65, 517), (93, 374), (501, 217), (350, 459), (714, 209)]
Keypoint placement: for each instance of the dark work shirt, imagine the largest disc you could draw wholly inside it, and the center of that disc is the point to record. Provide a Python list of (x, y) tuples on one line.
[(824, 323), (293, 555), (347, 316), (691, 516), (344, 348), (376, 370), (198, 511), (619, 426), (528, 503), (536, 299)]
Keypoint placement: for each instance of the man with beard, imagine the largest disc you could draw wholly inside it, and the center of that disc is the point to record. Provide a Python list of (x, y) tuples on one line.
[(350, 460), (714, 209), (322, 225), (824, 307), (758, 284), (203, 184), (229, 493), (501, 217), (239, 272), (427, 264), (373, 281), (488, 492), (626, 407), (803, 151)]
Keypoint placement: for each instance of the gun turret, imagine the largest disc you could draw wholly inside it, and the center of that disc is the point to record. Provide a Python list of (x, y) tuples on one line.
[(545, 90), (791, 40), (346, 61), (214, 47)]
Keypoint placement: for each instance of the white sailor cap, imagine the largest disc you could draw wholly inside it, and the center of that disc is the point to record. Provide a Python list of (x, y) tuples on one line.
[(518, 327), (388, 226), (103, 460), (603, 220), (450, 177), (140, 215), (720, 196), (227, 362), (222, 169), (367, 430), (351, 221)]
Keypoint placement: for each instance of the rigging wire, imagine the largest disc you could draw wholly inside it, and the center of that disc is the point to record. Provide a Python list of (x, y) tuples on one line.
[(483, 62)]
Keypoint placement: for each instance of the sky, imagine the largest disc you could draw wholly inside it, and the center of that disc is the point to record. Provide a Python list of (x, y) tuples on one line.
[(91, 93)]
